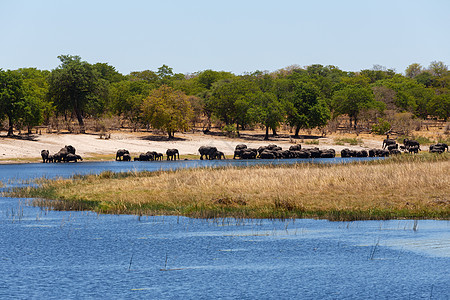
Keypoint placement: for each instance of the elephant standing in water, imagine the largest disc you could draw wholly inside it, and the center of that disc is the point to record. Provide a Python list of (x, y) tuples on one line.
[(120, 154), (172, 154)]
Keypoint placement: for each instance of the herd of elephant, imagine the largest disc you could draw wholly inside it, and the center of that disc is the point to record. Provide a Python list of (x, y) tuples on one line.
[(389, 147), (66, 154)]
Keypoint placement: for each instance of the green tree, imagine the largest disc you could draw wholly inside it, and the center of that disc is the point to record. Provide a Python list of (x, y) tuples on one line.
[(352, 100), (72, 85), (11, 98), (267, 110), (306, 109), (167, 109), (439, 106), (127, 97), (413, 70), (36, 107)]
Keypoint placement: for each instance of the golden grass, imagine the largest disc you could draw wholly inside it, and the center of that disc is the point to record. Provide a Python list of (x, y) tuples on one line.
[(398, 189)]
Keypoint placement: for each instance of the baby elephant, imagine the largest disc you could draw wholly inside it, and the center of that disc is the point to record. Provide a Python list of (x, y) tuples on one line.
[(72, 157)]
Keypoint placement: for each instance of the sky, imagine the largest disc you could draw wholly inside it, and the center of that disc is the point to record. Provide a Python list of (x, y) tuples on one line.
[(235, 36)]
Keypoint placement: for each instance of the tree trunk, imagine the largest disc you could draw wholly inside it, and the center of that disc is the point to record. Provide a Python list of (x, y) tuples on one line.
[(274, 132), (297, 130), (266, 137), (80, 120), (11, 127)]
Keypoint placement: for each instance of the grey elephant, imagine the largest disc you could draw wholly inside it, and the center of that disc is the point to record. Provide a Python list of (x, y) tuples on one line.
[(241, 148), (44, 155), (61, 155), (126, 157), (120, 153), (219, 155), (72, 157), (410, 143), (159, 156), (172, 154), (387, 142), (208, 152)]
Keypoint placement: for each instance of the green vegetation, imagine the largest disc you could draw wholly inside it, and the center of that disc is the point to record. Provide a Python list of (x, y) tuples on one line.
[(406, 186), (301, 97)]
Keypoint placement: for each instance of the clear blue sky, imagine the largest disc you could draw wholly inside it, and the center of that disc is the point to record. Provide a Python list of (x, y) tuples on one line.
[(237, 36)]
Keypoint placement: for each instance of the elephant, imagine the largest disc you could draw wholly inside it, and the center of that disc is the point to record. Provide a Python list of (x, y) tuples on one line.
[(267, 154), (144, 157), (414, 149), (248, 154), (239, 150), (158, 156), (395, 152), (57, 157), (64, 152), (51, 158), (387, 142), (44, 155), (348, 153), (438, 147), (297, 147), (120, 153), (72, 157), (410, 143), (328, 153), (314, 152), (392, 146), (208, 152), (172, 154), (362, 153), (126, 157), (219, 155)]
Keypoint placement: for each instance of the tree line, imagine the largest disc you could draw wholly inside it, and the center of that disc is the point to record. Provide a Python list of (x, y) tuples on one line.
[(301, 97)]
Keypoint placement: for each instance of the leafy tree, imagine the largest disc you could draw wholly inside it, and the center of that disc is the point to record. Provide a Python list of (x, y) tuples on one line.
[(146, 75), (439, 106), (11, 98), (267, 110), (108, 72), (72, 85), (127, 97), (438, 68), (306, 108), (413, 70), (230, 100), (167, 109), (36, 107), (352, 100)]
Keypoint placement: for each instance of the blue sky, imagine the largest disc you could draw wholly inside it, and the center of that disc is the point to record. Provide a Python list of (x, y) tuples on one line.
[(237, 36)]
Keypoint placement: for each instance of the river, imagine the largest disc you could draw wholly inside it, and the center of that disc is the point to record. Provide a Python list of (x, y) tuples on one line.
[(78, 255)]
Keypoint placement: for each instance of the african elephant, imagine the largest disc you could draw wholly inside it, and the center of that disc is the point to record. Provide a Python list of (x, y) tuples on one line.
[(414, 149), (249, 154), (44, 155), (297, 147), (158, 156), (239, 150), (208, 152), (120, 153), (219, 155), (64, 152), (267, 154), (387, 142), (72, 157), (172, 154), (328, 153), (439, 147), (410, 143), (126, 157)]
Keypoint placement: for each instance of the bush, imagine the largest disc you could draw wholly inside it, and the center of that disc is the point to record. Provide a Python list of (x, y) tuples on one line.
[(229, 130), (381, 127)]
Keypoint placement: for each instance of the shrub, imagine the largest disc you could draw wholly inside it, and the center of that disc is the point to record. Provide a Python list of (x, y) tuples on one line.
[(381, 127)]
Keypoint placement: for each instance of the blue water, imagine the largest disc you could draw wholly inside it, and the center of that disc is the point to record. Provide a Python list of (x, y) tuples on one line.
[(78, 255)]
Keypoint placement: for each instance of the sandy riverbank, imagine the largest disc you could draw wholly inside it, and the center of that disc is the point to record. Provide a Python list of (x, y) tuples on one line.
[(28, 148)]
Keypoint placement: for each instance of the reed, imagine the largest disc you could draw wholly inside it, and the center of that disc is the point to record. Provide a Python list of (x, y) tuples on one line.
[(409, 186)]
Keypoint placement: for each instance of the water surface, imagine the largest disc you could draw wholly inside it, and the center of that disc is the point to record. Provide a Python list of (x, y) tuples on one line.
[(77, 255)]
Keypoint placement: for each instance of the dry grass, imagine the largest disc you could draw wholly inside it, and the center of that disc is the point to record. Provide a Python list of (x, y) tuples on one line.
[(402, 188)]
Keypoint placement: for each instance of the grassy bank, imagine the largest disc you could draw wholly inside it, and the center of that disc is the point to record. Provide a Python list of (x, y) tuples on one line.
[(409, 186)]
